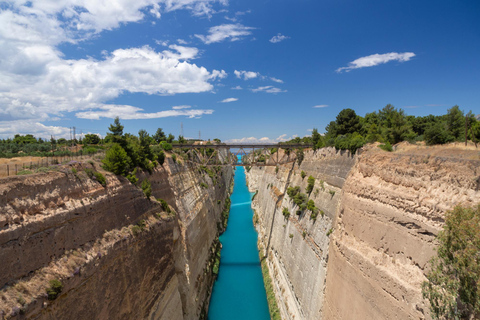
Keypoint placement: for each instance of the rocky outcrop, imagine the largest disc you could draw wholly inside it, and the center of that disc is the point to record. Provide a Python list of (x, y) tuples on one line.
[(118, 254), (367, 256)]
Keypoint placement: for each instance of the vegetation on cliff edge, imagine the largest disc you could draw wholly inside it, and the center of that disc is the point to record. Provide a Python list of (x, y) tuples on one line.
[(453, 286)]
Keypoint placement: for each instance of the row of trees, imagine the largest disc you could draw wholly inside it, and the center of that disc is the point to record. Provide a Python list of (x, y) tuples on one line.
[(391, 125)]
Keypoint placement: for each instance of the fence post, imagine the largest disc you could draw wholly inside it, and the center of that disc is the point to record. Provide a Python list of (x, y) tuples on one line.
[(8, 171), (16, 169)]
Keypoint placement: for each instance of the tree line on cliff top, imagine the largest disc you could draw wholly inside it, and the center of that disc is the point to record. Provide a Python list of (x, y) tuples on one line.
[(390, 125)]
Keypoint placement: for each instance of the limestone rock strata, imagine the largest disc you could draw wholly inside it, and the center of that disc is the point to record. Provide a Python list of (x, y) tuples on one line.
[(366, 258), (118, 254), (392, 207), (298, 246)]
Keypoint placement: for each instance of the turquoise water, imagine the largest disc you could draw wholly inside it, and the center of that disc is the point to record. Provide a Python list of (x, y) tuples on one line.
[(238, 292)]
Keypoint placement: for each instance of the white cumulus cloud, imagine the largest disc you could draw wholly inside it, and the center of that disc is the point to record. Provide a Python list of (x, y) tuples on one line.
[(223, 32), (278, 38), (229, 100), (246, 75), (377, 59)]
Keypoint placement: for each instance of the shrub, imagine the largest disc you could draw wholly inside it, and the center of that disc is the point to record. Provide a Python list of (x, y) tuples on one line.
[(311, 184), (254, 195), (329, 232), (453, 286), (116, 160), (332, 192), (147, 188), (304, 234), (293, 191), (303, 174), (100, 178), (286, 213), (174, 158), (276, 169), (387, 147), (311, 205), (132, 177), (54, 290), (165, 205), (204, 185), (291, 235), (166, 146)]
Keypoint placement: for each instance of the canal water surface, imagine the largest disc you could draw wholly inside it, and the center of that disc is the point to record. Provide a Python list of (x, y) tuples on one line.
[(238, 292)]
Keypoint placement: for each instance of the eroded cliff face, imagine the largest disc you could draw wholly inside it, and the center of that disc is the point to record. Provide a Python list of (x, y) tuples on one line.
[(392, 207), (366, 258), (118, 254), (298, 246)]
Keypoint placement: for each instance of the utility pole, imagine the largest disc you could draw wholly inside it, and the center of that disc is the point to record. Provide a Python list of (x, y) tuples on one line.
[(466, 129)]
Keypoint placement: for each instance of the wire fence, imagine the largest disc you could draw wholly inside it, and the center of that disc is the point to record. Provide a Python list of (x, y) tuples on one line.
[(26, 165)]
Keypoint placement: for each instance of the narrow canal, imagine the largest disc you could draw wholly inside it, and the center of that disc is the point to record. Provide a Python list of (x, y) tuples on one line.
[(239, 292)]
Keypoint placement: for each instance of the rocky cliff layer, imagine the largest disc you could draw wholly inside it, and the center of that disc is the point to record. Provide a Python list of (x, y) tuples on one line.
[(298, 245), (366, 257), (118, 254)]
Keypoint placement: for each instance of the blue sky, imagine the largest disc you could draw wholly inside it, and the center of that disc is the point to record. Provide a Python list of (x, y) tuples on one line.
[(234, 70)]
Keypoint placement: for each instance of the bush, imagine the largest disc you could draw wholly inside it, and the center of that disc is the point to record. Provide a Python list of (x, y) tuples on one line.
[(100, 178), (204, 185), (147, 188), (303, 174), (453, 286), (132, 177), (174, 158), (54, 290), (165, 206), (254, 195), (311, 184), (116, 160), (286, 213), (166, 146), (437, 134), (387, 147)]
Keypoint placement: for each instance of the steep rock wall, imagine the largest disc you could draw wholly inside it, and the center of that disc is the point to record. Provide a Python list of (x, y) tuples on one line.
[(366, 258), (298, 246), (393, 205), (118, 254)]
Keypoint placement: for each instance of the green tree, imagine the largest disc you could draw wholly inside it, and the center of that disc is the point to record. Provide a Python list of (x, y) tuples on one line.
[(455, 122), (116, 128), (317, 140), (147, 188), (159, 136), (116, 160), (453, 286), (348, 122), (395, 127), (170, 138), (436, 134), (474, 132), (91, 139)]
